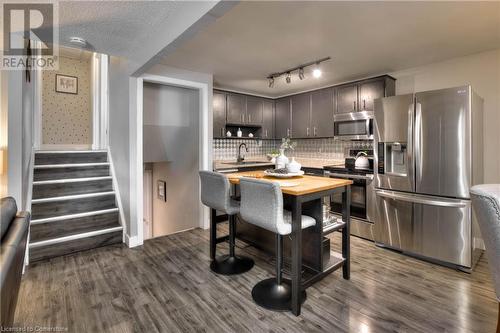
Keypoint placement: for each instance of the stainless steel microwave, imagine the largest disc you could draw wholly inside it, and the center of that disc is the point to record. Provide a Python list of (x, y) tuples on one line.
[(353, 126)]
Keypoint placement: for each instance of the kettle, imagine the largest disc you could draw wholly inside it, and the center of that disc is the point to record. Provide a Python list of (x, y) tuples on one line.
[(362, 161)]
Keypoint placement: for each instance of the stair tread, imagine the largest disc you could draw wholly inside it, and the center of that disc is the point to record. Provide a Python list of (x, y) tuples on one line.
[(60, 189), (70, 180), (72, 216), (67, 228), (69, 151), (72, 197), (81, 235), (43, 252), (68, 165)]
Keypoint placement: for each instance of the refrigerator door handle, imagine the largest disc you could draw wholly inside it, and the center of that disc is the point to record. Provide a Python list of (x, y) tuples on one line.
[(423, 200), (418, 141), (410, 150)]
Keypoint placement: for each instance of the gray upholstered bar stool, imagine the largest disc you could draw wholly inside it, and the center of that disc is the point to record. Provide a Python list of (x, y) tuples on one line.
[(486, 204), (262, 205), (216, 194)]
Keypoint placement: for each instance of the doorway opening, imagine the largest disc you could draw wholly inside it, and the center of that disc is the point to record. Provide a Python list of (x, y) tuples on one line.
[(171, 145)]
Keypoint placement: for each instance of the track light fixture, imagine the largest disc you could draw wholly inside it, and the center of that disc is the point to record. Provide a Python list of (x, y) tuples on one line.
[(316, 72)]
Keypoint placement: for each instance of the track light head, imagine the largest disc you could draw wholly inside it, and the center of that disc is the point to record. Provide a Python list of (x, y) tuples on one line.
[(317, 71), (301, 73), (271, 82), (288, 77)]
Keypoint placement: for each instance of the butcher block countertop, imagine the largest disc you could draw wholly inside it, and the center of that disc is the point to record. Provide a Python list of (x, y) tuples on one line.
[(317, 163), (294, 186)]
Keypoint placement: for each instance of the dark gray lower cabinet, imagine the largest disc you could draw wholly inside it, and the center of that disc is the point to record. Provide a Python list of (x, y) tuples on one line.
[(219, 114), (322, 113), (301, 115), (282, 118), (268, 119)]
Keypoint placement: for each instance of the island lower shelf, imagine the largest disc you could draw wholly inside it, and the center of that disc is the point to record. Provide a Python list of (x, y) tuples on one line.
[(315, 248)]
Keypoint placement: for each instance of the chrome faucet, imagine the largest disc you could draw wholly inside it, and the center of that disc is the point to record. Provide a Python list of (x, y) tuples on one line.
[(241, 158)]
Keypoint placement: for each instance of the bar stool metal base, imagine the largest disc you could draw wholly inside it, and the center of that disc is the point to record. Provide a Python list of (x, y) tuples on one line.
[(273, 296), (227, 265)]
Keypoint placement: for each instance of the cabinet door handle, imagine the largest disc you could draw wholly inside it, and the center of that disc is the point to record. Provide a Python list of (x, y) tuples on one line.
[(314, 131), (287, 132), (249, 118), (364, 104), (266, 132), (354, 107), (222, 131), (307, 131)]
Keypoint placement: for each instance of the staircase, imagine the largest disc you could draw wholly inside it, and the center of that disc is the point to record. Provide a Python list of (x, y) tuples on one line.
[(73, 205)]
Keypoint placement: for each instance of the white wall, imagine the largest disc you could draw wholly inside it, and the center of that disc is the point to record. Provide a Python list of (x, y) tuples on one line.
[(119, 130), (18, 97), (482, 72)]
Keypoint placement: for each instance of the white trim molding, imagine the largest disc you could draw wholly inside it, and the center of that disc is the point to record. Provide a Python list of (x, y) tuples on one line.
[(117, 196), (100, 101)]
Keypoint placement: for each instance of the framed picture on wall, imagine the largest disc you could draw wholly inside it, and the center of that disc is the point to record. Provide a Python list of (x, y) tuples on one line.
[(161, 189), (66, 84)]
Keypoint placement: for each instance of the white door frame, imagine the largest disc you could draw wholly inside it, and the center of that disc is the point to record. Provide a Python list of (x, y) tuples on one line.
[(136, 138)]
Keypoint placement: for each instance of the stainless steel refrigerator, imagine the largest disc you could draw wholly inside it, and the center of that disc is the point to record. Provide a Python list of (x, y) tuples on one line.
[(428, 153)]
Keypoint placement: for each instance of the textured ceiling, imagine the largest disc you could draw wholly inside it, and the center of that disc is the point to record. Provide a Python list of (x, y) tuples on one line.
[(363, 38), (114, 27)]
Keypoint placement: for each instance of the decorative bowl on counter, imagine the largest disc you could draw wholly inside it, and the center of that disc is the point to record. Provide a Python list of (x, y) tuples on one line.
[(283, 173)]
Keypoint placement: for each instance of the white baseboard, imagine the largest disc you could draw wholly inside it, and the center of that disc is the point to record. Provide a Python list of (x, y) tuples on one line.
[(65, 147), (132, 241)]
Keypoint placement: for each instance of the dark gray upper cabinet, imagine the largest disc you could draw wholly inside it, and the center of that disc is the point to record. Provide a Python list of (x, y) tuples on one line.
[(219, 114), (301, 116), (368, 92), (347, 98), (254, 114), (359, 96), (268, 119), (235, 109), (282, 118), (322, 113)]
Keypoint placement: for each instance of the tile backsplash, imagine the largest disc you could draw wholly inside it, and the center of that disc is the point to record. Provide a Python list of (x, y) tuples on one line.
[(227, 149), (328, 148)]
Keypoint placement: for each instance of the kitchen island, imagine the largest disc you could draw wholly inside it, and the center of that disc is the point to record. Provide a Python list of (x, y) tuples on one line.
[(306, 198)]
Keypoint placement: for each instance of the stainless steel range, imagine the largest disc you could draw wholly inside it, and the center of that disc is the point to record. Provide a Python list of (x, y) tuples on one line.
[(362, 193)]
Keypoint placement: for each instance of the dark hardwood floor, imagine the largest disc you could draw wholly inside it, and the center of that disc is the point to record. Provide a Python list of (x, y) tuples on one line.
[(166, 286)]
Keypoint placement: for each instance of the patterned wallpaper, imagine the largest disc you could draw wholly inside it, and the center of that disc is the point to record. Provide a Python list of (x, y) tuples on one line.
[(67, 118)]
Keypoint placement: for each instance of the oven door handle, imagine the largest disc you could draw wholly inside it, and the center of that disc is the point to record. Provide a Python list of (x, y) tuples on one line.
[(348, 176)]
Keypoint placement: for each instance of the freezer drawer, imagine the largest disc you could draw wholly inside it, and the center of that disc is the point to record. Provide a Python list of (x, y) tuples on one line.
[(437, 228)]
